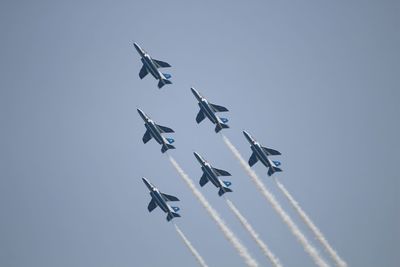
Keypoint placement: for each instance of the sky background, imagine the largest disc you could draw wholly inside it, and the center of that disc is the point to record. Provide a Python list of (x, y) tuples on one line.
[(316, 80)]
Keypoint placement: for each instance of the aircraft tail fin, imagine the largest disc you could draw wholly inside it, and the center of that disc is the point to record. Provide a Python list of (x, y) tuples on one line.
[(163, 82), (165, 147), (272, 170), (167, 75), (171, 140), (172, 215), (221, 126), (223, 190)]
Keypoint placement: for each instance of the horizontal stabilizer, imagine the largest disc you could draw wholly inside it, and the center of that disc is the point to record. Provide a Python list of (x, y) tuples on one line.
[(217, 108), (163, 82), (172, 215), (165, 147), (161, 64), (165, 129), (272, 170), (271, 151), (220, 172), (223, 190), (221, 126), (169, 197)]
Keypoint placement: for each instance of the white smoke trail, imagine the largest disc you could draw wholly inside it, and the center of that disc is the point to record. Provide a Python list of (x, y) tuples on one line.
[(321, 238), (242, 250), (196, 254), (274, 260), (275, 204)]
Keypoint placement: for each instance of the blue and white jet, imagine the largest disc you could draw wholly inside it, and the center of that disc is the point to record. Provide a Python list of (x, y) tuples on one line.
[(160, 199), (154, 131), (262, 153), (211, 174), (209, 110), (152, 65)]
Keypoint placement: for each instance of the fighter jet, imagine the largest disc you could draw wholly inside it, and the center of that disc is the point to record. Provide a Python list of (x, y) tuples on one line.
[(154, 131), (209, 110), (160, 199), (262, 153), (152, 66), (211, 174)]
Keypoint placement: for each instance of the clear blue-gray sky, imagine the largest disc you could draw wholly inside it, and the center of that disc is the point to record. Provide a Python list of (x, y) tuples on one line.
[(317, 80)]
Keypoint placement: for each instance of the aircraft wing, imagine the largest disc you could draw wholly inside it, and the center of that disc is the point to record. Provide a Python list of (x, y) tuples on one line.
[(146, 137), (152, 205), (220, 172), (164, 129), (271, 151), (169, 197), (143, 72), (161, 64), (203, 180), (253, 159), (200, 116), (217, 108)]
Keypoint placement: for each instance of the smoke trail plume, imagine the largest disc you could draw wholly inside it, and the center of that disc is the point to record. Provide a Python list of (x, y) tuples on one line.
[(321, 238), (194, 252), (274, 260), (277, 207), (242, 250)]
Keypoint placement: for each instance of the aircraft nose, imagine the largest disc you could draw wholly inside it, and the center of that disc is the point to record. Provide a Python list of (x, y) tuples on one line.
[(141, 113), (147, 183), (199, 159), (196, 94), (138, 48), (248, 137)]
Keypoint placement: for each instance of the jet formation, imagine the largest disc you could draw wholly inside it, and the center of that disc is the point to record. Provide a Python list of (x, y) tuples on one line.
[(160, 199), (151, 66), (211, 174), (209, 110)]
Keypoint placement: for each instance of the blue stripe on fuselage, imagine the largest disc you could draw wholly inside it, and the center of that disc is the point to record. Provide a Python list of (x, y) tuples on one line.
[(261, 154), (151, 67), (211, 176), (155, 132), (205, 106), (159, 200)]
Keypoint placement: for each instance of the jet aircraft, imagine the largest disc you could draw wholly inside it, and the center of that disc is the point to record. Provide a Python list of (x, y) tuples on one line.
[(262, 153), (160, 199), (211, 174), (151, 66), (154, 131), (209, 110)]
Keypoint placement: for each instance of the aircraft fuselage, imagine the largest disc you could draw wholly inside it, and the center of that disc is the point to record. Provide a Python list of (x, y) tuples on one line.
[(158, 198), (211, 175), (151, 67), (261, 155), (206, 108), (155, 132)]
